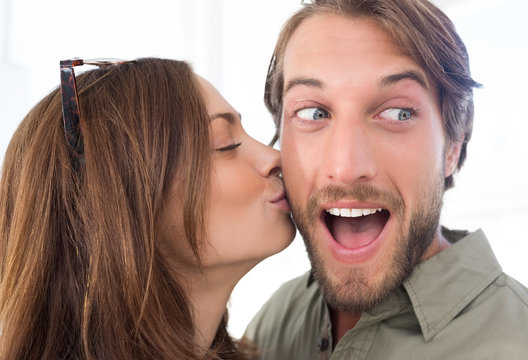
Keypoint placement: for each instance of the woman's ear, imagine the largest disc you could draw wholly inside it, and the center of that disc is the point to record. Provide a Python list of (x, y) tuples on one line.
[(452, 154)]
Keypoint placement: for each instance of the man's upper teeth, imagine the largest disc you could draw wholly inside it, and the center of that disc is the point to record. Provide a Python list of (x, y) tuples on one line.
[(346, 212)]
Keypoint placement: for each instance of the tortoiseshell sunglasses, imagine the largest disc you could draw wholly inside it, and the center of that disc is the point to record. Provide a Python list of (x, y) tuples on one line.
[(70, 105)]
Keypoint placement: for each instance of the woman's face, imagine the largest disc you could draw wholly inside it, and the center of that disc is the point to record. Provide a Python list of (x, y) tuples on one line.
[(247, 214)]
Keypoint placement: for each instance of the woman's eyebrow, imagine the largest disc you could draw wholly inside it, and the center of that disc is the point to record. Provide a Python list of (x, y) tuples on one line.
[(228, 116)]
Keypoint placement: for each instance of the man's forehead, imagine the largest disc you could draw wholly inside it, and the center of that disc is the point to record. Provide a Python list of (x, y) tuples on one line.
[(325, 46)]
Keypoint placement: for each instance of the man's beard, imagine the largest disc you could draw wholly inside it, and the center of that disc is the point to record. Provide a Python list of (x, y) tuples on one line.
[(354, 293)]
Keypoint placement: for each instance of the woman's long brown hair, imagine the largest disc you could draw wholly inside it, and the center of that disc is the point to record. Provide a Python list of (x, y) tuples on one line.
[(81, 273)]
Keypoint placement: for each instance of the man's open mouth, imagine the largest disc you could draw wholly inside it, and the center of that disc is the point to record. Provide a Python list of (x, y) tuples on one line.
[(354, 228)]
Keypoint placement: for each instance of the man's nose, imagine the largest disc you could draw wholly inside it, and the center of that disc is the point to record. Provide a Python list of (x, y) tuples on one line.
[(350, 153)]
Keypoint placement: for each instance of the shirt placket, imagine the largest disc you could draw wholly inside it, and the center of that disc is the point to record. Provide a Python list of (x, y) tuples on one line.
[(356, 343), (324, 343)]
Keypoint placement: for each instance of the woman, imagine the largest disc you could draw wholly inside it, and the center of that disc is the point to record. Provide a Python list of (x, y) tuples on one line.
[(124, 238)]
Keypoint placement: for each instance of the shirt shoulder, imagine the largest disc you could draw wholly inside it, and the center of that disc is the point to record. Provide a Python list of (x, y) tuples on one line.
[(493, 325), (505, 304), (286, 327), (518, 291)]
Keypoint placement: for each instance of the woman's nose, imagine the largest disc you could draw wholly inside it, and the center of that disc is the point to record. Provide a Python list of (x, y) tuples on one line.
[(269, 163)]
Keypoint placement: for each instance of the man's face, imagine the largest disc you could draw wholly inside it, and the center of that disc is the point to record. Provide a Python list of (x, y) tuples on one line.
[(364, 157)]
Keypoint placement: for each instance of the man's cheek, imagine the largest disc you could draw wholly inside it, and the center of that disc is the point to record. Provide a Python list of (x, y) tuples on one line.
[(300, 157)]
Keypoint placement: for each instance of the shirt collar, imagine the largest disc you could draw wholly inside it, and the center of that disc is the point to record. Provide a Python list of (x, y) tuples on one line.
[(443, 285), (311, 278)]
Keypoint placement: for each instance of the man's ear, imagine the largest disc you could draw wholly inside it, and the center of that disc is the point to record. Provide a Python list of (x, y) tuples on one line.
[(452, 154)]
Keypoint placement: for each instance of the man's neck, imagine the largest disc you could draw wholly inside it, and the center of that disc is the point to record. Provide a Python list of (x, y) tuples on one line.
[(438, 244), (341, 323)]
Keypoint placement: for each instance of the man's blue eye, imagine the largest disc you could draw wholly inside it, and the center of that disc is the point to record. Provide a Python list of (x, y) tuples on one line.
[(397, 114), (313, 113)]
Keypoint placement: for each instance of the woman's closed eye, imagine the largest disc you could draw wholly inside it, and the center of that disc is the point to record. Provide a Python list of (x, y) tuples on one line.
[(229, 147)]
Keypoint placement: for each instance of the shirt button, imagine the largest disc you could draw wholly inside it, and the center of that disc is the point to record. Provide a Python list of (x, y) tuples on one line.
[(323, 344)]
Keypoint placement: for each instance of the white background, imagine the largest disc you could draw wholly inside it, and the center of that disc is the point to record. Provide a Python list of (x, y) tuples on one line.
[(230, 42)]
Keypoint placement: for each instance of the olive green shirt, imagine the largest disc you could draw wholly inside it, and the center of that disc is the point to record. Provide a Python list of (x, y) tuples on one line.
[(456, 305)]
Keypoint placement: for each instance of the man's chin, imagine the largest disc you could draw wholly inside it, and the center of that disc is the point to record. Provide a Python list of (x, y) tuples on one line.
[(356, 290)]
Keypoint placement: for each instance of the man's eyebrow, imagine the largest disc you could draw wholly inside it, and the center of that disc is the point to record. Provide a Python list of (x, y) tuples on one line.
[(385, 81), (230, 117), (406, 75), (303, 81)]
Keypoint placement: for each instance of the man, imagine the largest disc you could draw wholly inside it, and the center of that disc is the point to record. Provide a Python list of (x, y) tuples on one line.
[(373, 99)]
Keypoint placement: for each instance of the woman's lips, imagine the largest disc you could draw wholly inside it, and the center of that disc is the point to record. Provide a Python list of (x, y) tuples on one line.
[(281, 201)]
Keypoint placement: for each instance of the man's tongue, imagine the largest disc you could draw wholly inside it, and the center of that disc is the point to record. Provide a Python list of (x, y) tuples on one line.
[(356, 232)]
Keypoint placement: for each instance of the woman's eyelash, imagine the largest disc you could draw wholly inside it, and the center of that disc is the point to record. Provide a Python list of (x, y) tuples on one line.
[(229, 147)]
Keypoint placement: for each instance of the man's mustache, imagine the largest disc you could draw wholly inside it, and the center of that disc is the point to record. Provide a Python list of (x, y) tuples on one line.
[(362, 193)]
